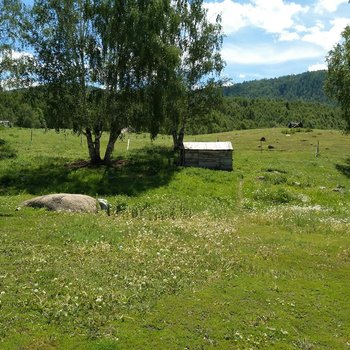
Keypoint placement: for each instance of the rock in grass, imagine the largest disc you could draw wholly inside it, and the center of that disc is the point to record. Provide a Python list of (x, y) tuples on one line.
[(104, 205), (64, 202), (339, 188)]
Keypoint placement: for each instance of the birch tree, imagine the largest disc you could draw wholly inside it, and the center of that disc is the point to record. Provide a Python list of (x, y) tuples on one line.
[(338, 75)]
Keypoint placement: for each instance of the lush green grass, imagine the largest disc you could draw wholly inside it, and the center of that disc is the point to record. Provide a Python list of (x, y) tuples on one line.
[(257, 258)]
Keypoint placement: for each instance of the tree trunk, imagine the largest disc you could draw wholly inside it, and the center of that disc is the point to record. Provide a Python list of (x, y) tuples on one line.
[(178, 139), (114, 134), (94, 147)]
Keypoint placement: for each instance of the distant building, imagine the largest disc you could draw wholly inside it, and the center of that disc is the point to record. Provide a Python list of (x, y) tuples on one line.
[(5, 123), (212, 155)]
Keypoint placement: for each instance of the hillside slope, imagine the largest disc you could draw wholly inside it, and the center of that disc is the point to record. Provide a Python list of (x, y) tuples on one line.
[(307, 86), (251, 113)]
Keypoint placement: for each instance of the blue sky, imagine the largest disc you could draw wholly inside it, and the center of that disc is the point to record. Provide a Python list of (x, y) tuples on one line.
[(271, 38)]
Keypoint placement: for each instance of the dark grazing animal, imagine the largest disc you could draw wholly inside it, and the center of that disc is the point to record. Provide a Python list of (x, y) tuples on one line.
[(293, 125)]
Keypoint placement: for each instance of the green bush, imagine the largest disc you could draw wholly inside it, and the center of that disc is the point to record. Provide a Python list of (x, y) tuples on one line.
[(6, 151), (274, 196)]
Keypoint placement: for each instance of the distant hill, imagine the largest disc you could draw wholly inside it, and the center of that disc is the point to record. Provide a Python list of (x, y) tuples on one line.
[(302, 87), (257, 104), (252, 113), (274, 102)]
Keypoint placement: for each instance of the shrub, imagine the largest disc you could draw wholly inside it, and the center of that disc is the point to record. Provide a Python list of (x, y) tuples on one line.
[(275, 196), (6, 151)]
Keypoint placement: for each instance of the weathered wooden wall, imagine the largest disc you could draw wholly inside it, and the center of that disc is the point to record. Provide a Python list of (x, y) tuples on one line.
[(212, 159)]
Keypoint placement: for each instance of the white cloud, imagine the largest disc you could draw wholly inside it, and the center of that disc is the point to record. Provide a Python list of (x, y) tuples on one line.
[(326, 38), (249, 76), (328, 5), (265, 54), (273, 16), (317, 66), (300, 28), (288, 36), (279, 31), (16, 55), (234, 15)]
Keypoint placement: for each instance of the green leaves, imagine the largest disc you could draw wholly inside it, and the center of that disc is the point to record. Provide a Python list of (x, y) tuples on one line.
[(338, 79), (149, 58)]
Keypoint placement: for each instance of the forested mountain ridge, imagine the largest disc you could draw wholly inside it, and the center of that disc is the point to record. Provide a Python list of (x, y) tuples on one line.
[(247, 113), (308, 86), (28, 107)]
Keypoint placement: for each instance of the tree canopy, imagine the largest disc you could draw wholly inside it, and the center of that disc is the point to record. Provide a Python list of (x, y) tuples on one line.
[(107, 65), (14, 64), (338, 78), (194, 88)]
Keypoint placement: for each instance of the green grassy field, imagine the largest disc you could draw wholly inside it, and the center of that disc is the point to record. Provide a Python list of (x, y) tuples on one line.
[(256, 258)]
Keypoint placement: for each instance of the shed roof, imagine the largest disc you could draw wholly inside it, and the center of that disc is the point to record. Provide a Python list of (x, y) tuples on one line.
[(210, 146)]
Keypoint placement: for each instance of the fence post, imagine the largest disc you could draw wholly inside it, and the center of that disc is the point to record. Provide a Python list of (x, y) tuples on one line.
[(317, 154), (127, 147)]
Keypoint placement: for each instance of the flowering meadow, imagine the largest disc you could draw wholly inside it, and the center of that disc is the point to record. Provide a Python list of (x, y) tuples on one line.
[(189, 258)]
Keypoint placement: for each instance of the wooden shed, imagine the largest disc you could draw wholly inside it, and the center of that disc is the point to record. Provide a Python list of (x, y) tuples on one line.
[(212, 155)]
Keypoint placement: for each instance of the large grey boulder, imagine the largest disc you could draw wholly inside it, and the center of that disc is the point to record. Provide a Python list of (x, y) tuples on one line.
[(64, 202)]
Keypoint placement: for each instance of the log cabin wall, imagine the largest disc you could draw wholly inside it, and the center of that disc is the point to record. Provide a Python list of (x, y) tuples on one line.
[(206, 158)]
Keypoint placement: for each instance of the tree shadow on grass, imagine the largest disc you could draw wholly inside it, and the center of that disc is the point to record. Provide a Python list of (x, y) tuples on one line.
[(344, 168), (142, 170)]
